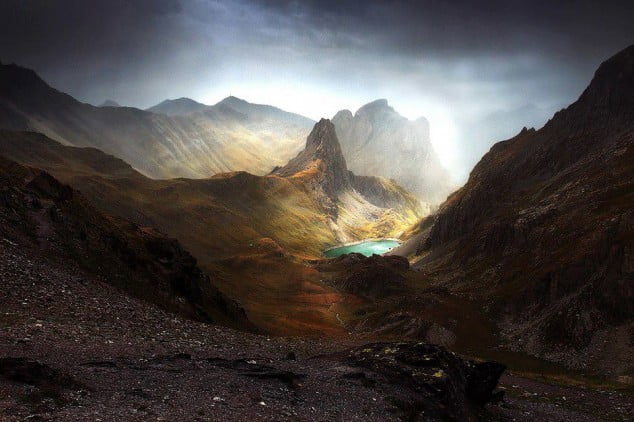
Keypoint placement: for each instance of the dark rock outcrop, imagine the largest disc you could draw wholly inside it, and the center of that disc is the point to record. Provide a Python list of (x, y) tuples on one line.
[(26, 371), (426, 382), (39, 382), (370, 277)]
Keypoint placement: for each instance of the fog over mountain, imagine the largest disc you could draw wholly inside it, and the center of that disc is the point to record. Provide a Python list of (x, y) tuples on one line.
[(454, 63), (283, 210)]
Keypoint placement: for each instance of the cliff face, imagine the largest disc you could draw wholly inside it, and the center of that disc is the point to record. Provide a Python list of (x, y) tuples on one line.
[(377, 141), (322, 155), (543, 229), (350, 201)]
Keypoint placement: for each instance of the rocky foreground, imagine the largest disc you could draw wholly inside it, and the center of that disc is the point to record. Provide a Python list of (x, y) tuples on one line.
[(75, 348)]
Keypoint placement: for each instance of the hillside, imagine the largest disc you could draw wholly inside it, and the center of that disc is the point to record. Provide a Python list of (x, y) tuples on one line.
[(238, 223), (542, 233), (54, 222), (218, 139)]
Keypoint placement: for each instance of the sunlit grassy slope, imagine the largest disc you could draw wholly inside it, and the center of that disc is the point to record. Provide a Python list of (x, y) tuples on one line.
[(224, 221)]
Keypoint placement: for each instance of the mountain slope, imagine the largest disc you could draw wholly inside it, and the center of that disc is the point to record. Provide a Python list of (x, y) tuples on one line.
[(543, 231), (322, 167), (375, 132), (53, 222), (254, 230), (218, 139)]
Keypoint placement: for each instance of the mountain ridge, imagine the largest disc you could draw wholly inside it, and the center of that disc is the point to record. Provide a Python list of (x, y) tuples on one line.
[(59, 224), (561, 198), (160, 146), (376, 131), (178, 106)]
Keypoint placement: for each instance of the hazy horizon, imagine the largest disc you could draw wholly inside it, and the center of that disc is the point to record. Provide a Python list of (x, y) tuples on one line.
[(477, 73)]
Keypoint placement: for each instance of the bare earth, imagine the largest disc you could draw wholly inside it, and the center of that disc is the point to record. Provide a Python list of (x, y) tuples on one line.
[(110, 357)]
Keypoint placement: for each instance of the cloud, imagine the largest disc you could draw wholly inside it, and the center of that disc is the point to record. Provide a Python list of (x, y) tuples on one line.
[(456, 62)]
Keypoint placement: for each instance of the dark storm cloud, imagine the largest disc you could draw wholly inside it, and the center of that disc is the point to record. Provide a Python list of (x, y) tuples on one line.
[(573, 28), (91, 47), (58, 30), (460, 63)]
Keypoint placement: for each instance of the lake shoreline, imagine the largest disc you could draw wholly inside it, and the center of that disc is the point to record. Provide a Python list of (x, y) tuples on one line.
[(367, 247), (358, 242)]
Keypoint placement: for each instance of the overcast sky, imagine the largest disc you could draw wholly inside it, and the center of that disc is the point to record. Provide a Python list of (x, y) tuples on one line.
[(464, 65)]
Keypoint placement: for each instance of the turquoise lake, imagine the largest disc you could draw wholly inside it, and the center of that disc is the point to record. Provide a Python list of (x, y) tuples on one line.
[(371, 247)]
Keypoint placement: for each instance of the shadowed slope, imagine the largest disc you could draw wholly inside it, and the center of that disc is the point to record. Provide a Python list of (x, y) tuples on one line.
[(543, 230), (53, 221)]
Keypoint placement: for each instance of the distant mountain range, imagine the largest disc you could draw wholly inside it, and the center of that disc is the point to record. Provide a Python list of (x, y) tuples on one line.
[(217, 139), (376, 140), (184, 138)]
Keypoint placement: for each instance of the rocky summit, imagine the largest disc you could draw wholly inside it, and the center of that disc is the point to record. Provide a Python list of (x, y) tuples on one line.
[(321, 155)]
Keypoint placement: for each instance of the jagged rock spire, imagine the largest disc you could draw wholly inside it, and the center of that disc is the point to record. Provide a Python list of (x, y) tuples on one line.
[(323, 154)]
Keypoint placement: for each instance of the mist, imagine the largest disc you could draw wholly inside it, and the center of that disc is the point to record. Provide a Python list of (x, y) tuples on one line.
[(478, 73)]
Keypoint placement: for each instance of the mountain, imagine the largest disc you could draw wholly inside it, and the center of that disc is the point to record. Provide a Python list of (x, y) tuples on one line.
[(542, 232), (377, 131), (95, 303), (56, 224), (346, 198), (237, 224), (177, 107), (264, 112), (198, 145), (323, 160), (110, 103)]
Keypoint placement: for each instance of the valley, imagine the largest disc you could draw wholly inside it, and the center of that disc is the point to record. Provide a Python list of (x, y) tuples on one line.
[(254, 263)]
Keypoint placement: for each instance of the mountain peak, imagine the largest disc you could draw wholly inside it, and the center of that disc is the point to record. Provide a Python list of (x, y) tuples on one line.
[(323, 157), (232, 99), (17, 82), (178, 106), (612, 86), (381, 102), (322, 136), (110, 103)]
